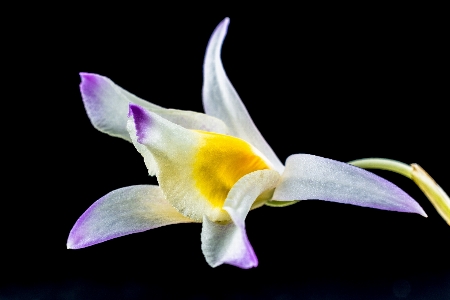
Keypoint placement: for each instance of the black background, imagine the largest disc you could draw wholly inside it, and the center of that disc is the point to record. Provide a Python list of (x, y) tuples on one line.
[(337, 82)]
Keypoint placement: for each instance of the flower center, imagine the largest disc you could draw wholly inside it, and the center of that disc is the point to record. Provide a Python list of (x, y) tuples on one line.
[(220, 162)]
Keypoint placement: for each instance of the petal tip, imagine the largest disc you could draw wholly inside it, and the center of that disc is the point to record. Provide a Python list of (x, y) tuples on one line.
[(137, 112), (71, 243), (223, 25), (253, 263), (142, 120), (422, 213), (86, 74), (225, 22), (77, 235), (74, 241), (88, 79), (90, 89), (413, 207), (218, 34)]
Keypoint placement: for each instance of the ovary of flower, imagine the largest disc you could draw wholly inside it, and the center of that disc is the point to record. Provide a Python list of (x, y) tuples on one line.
[(211, 168)]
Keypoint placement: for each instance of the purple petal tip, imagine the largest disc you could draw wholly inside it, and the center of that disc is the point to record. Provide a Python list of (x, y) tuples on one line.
[(142, 120), (88, 78), (223, 25), (89, 88), (80, 235), (77, 234)]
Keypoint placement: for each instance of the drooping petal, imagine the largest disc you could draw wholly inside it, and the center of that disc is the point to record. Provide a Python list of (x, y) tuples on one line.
[(228, 243), (195, 169), (313, 177), (121, 212), (107, 107), (221, 100)]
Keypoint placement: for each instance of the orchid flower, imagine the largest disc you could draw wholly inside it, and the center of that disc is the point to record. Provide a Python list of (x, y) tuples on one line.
[(211, 168)]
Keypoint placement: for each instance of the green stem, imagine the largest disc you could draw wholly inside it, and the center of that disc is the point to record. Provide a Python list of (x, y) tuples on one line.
[(384, 164)]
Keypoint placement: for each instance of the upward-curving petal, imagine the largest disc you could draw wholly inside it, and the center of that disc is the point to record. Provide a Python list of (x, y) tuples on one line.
[(107, 107), (228, 243), (221, 100), (313, 177), (121, 212)]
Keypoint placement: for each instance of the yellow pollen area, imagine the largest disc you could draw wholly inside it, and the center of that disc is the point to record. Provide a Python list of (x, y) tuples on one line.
[(220, 162)]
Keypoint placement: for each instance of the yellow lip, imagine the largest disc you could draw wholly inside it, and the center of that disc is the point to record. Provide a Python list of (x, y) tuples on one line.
[(221, 160)]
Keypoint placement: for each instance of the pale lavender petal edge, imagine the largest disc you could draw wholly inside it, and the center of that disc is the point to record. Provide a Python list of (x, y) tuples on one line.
[(75, 234), (122, 212), (312, 177), (105, 104), (227, 244), (89, 86)]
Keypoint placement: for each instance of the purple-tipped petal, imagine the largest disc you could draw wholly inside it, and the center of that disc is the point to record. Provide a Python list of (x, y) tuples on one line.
[(229, 244), (142, 121), (221, 100), (137, 130), (107, 106), (121, 212), (313, 177)]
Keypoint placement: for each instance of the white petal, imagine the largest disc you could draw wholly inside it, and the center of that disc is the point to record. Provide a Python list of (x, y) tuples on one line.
[(312, 177), (221, 100), (121, 212), (107, 107), (228, 243), (243, 194)]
